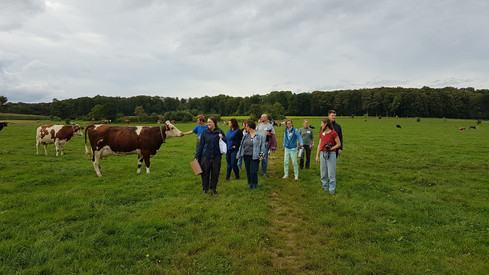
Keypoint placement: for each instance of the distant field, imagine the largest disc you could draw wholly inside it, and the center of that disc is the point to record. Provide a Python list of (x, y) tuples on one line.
[(409, 201)]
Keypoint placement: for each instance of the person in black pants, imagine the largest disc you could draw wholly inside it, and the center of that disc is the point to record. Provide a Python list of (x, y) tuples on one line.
[(252, 150), (210, 155)]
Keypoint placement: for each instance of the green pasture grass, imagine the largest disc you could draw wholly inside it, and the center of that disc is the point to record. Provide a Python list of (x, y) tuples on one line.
[(409, 200)]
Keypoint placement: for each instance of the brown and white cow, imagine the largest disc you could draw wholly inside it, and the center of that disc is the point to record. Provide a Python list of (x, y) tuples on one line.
[(144, 141), (57, 134)]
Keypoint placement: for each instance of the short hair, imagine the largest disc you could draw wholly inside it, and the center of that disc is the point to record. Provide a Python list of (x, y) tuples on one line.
[(201, 117), (251, 124), (331, 112), (234, 123)]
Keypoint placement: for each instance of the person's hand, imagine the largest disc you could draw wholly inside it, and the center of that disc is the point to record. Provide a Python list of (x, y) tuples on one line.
[(302, 147), (237, 157), (317, 158), (283, 149), (312, 146), (261, 158), (234, 147), (220, 135), (182, 134), (340, 151)]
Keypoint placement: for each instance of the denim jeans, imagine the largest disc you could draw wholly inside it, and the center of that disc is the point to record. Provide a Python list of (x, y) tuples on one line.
[(251, 166), (293, 155), (232, 163), (328, 170)]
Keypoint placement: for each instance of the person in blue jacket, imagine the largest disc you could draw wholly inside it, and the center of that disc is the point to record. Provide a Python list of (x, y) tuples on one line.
[(210, 155), (291, 138), (234, 136), (252, 150)]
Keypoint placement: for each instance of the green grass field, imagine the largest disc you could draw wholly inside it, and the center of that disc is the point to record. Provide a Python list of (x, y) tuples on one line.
[(409, 201)]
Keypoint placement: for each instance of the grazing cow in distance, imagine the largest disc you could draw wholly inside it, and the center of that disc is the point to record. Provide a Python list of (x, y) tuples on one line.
[(144, 141), (172, 121), (127, 121), (472, 127), (57, 134), (462, 128), (105, 121), (159, 121), (3, 124), (398, 126)]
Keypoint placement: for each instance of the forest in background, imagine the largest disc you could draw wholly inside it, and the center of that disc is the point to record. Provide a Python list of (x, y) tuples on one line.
[(448, 102)]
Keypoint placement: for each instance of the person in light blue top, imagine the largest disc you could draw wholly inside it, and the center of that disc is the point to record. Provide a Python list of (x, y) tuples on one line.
[(291, 138)]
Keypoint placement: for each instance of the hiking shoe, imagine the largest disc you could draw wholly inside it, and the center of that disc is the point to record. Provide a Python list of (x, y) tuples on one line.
[(214, 192), (296, 178), (284, 177)]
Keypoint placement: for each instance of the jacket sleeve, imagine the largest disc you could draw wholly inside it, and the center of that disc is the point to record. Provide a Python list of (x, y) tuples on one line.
[(340, 134), (263, 147), (240, 146), (299, 137)]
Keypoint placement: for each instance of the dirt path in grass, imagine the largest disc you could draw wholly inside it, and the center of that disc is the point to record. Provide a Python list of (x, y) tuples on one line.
[(289, 228)]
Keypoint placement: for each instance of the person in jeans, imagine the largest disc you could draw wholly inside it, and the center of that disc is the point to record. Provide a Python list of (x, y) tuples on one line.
[(291, 137), (326, 155), (234, 136), (252, 150), (265, 128), (210, 154), (308, 139)]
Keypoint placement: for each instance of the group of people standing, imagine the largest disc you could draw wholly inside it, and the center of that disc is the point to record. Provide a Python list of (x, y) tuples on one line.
[(253, 144)]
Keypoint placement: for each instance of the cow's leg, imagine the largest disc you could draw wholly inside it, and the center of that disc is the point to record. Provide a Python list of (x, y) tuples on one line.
[(96, 161), (37, 146), (146, 161), (62, 149), (45, 149), (140, 162), (56, 144)]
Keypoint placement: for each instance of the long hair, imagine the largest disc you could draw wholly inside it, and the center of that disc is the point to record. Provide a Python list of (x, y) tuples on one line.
[(214, 120), (328, 124), (234, 123)]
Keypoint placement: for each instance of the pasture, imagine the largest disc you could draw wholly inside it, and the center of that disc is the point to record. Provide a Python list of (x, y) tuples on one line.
[(411, 200)]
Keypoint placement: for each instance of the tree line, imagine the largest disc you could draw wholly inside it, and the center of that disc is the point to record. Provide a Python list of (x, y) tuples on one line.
[(448, 102)]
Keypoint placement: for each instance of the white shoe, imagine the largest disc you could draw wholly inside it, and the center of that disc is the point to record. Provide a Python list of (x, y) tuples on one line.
[(296, 178), (284, 177)]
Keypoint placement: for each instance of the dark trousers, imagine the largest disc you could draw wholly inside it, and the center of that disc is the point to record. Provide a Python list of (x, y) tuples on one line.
[(307, 149), (210, 169), (232, 163), (251, 166)]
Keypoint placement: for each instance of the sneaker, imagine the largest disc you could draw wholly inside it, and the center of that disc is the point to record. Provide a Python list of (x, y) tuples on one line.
[(205, 191), (214, 192), (227, 179), (264, 175), (284, 177), (296, 178)]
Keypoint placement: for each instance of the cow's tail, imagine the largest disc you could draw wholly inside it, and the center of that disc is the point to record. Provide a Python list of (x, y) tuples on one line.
[(88, 152)]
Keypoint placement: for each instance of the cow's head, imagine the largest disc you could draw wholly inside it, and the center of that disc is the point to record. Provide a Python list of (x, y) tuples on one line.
[(77, 130), (172, 131)]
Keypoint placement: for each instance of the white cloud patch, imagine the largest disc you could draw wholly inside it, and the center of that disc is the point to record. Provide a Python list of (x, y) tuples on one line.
[(74, 48)]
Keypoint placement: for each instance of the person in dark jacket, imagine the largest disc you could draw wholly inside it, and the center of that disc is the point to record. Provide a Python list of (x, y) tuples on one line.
[(337, 129), (234, 136), (210, 155)]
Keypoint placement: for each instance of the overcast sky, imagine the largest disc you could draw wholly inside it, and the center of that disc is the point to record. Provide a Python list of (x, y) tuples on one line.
[(178, 48)]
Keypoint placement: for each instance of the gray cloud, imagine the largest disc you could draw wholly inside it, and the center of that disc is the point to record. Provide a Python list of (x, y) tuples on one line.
[(62, 49)]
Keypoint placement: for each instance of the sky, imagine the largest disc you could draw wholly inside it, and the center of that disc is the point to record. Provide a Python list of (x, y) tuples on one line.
[(178, 48)]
